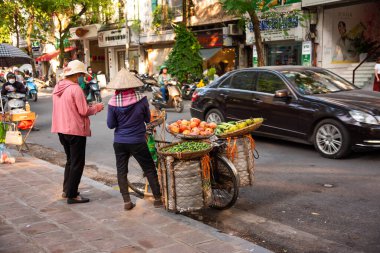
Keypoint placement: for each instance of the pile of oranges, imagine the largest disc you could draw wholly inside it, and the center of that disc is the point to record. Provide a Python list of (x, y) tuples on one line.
[(194, 127)]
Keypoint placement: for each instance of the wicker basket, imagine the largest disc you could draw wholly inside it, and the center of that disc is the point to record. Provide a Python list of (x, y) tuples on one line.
[(184, 155), (188, 137), (243, 131)]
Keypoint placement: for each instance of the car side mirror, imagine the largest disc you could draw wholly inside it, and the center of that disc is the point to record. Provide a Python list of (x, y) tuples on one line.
[(281, 94)]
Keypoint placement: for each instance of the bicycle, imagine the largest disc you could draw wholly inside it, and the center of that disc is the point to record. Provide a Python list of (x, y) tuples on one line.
[(224, 176)]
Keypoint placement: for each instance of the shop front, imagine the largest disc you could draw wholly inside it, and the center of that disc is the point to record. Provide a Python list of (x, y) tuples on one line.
[(214, 53), (88, 49), (281, 46)]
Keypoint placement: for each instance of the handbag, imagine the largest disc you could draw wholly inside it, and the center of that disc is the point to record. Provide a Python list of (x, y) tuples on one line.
[(13, 137)]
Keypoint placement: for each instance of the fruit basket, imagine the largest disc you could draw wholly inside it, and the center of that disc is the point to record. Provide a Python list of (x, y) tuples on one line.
[(186, 150), (194, 129), (242, 130)]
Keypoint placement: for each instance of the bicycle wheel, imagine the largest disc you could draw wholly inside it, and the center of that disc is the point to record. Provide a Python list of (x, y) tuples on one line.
[(224, 183), (137, 180)]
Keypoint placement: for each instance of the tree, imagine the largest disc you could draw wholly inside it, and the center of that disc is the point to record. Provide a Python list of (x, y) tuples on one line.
[(184, 59), (251, 7), (11, 21), (70, 13)]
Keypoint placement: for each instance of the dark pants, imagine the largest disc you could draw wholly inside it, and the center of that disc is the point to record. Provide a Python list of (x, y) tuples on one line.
[(75, 149), (141, 153)]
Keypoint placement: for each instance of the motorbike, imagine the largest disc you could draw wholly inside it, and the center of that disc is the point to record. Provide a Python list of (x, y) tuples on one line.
[(188, 90), (173, 97), (13, 101), (93, 92), (32, 89), (148, 82)]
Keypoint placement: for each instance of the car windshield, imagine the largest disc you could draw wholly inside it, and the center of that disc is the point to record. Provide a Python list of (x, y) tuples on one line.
[(317, 81)]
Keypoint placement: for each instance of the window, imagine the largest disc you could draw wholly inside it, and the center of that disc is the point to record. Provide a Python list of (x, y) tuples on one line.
[(226, 83), (269, 83), (243, 80)]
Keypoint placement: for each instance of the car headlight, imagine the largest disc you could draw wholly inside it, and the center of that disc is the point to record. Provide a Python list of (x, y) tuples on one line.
[(364, 117)]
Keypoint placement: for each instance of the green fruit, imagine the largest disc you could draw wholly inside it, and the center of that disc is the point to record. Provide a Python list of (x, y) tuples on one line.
[(232, 129)]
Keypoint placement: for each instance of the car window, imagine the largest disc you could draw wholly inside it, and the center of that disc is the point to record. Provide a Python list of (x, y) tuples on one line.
[(269, 83), (226, 83), (243, 80)]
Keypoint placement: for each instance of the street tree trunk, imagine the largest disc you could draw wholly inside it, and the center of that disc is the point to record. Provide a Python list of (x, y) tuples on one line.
[(29, 40), (15, 16), (258, 41)]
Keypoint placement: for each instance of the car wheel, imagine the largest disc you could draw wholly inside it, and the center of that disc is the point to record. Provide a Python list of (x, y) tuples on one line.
[(331, 139), (214, 115)]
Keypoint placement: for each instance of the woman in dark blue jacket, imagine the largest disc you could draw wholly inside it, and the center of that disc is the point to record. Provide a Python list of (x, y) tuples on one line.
[(128, 112)]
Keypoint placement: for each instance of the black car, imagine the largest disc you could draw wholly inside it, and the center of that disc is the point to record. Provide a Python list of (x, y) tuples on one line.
[(303, 104)]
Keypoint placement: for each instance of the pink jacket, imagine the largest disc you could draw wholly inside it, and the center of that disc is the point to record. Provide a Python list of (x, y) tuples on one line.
[(70, 110)]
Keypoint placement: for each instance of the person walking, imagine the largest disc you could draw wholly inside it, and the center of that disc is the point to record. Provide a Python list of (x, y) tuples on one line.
[(128, 112), (70, 119), (376, 83)]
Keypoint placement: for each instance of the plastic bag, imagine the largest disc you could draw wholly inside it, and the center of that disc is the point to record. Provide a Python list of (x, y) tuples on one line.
[(5, 156), (3, 130), (152, 147)]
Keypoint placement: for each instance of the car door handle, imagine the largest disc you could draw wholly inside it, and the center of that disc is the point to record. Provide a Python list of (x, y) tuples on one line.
[(257, 99), (223, 95)]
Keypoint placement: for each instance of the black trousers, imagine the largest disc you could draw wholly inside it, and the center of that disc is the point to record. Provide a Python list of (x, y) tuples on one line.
[(75, 149), (141, 153)]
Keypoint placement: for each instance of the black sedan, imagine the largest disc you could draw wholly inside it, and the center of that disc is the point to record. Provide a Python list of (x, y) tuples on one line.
[(303, 104)]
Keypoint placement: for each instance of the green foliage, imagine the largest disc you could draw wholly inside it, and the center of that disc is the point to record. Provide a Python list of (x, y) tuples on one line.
[(184, 60), (136, 26), (162, 17)]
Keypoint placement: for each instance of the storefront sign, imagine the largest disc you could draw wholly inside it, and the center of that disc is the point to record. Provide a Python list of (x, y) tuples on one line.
[(255, 60), (267, 4), (210, 39), (306, 3), (117, 37), (306, 53), (278, 28)]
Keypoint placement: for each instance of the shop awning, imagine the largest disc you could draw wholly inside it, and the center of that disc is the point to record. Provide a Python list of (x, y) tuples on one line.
[(207, 53), (51, 55)]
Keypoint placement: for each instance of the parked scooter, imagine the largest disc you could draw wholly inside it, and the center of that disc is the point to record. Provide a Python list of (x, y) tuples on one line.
[(93, 92), (148, 82), (188, 90), (173, 97), (32, 89)]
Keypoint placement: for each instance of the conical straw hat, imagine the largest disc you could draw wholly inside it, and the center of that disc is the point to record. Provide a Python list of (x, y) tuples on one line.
[(124, 80)]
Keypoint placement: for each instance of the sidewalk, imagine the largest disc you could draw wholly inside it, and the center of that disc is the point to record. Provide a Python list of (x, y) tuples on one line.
[(33, 218)]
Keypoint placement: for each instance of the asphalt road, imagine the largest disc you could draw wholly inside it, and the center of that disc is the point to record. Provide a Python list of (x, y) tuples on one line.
[(292, 206)]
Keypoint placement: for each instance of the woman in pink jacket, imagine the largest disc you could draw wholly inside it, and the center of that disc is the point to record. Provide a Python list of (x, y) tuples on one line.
[(71, 121)]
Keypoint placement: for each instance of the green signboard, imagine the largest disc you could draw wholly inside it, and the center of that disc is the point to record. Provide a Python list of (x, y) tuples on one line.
[(255, 61), (306, 53)]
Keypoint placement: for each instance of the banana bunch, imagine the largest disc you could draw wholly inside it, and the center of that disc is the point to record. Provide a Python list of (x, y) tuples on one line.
[(232, 126)]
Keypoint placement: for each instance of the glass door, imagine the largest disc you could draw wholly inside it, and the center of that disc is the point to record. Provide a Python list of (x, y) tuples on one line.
[(284, 54), (120, 60)]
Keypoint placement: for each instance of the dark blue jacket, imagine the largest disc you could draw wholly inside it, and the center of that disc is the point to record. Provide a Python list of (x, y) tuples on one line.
[(129, 121)]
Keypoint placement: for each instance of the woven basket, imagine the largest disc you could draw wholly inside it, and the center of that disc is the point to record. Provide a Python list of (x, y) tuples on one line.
[(243, 131), (184, 155), (187, 137)]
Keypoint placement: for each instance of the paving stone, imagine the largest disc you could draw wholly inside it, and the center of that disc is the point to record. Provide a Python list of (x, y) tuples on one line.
[(81, 225), (175, 228), (94, 234), (129, 249), (136, 231), (39, 228), (69, 246), (67, 217), (11, 240), (194, 237), (28, 219), (22, 248), (52, 238), (175, 249), (216, 247), (154, 241), (110, 244)]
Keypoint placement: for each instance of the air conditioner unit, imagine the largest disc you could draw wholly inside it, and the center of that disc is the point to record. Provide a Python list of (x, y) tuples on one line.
[(235, 30), (226, 30)]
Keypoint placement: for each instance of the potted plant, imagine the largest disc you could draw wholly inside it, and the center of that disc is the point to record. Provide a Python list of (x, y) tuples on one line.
[(363, 46)]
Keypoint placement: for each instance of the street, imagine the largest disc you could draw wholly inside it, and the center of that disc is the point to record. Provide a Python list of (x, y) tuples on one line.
[(300, 202)]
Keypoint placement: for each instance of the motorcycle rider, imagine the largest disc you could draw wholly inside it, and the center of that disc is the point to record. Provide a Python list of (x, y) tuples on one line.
[(163, 80), (12, 85)]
